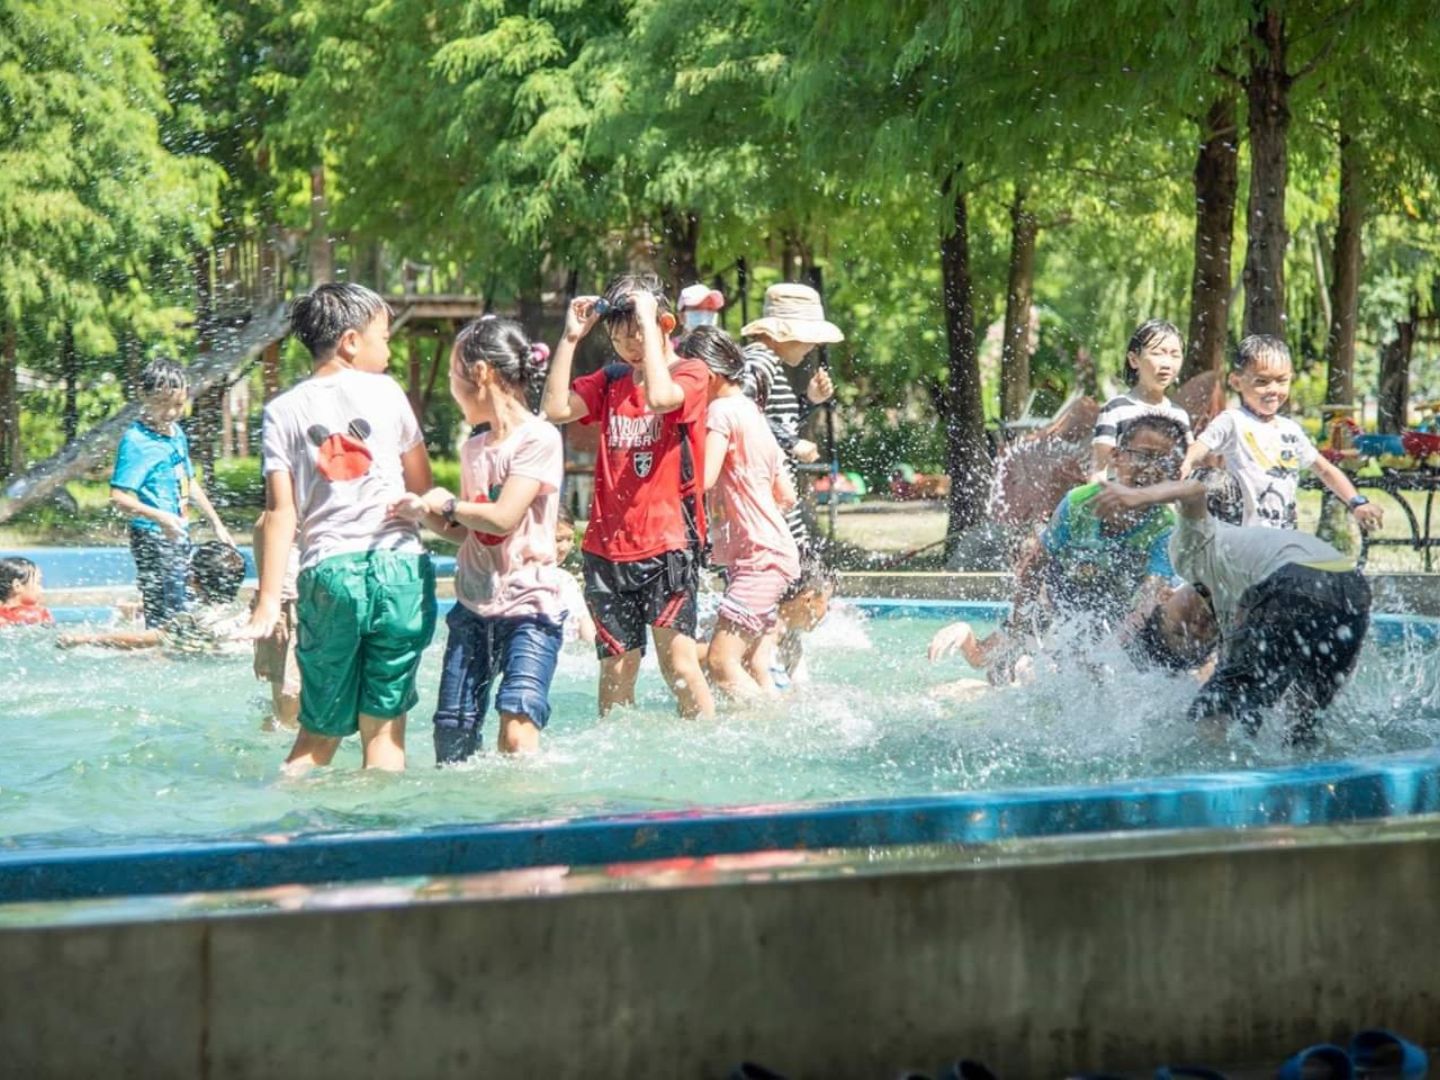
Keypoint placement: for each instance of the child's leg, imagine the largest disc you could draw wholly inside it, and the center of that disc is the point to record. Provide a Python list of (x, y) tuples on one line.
[(758, 659), (327, 648), (160, 572), (681, 668), (400, 604), (617, 605), (530, 648), (310, 750), (728, 650), (465, 677), (617, 679)]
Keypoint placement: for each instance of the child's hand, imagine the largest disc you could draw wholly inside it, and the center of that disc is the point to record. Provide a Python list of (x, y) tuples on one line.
[(805, 450), (262, 623), (436, 498), (409, 507), (1115, 497), (646, 310), (1369, 516), (948, 639), (821, 388), (580, 317), (173, 526), (223, 535)]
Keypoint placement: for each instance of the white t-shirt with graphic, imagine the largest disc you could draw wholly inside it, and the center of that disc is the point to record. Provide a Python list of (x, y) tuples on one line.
[(514, 575), (341, 437), (1266, 458)]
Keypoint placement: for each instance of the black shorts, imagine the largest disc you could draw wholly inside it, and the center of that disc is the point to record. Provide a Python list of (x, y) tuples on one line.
[(1297, 636), (626, 597)]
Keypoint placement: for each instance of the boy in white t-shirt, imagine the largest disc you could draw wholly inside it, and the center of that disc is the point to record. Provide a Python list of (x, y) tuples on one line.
[(338, 450), (1265, 451)]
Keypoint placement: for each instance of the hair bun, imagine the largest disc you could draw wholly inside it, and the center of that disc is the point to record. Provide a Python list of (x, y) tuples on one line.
[(539, 354)]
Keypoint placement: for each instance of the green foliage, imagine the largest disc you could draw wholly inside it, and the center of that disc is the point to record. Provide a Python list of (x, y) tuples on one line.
[(875, 450)]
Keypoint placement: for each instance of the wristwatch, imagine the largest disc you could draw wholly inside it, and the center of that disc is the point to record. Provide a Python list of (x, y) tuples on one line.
[(447, 510), (1357, 502)]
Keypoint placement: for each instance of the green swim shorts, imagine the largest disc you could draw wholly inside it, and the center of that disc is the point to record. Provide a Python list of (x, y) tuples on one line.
[(363, 620)]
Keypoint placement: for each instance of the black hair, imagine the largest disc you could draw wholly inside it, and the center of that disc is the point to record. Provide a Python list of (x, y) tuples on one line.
[(163, 376), (716, 349), (1160, 424), (14, 571), (1224, 498), (1146, 334), (1151, 647), (814, 576), (1257, 347), (617, 310), (563, 516), (503, 346), (218, 569), (321, 317)]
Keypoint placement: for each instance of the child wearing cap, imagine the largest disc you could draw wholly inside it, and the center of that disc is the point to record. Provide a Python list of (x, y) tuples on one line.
[(700, 305), (791, 325)]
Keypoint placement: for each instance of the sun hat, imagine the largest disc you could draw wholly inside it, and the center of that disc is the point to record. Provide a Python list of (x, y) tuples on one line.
[(699, 297), (794, 313)]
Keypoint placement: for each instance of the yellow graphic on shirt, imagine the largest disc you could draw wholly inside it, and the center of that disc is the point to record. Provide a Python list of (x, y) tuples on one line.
[(1288, 462)]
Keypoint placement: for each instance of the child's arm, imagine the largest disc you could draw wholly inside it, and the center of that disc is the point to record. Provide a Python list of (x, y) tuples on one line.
[(784, 491), (560, 404), (1189, 494), (208, 509), (279, 537), (415, 464), (1196, 451), (1100, 455), (112, 639), (1367, 515), (128, 502), (498, 518), (585, 626), (662, 393), (717, 443)]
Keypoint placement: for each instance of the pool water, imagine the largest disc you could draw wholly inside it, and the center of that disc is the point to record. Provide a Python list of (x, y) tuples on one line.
[(110, 748)]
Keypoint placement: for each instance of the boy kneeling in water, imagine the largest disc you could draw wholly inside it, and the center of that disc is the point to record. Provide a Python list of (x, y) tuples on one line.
[(1290, 613), (1092, 560)]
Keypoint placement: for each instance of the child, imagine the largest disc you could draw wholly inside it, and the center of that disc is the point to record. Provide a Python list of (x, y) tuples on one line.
[(1152, 360), (1092, 559), (508, 613), (214, 576), (579, 626), (791, 325), (154, 482), (274, 655), (700, 306), (1265, 451), (643, 544), (1290, 611), (751, 492), (339, 449), (21, 594)]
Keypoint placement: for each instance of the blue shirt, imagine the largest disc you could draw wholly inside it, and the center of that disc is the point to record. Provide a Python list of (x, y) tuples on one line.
[(156, 468), (1091, 570)]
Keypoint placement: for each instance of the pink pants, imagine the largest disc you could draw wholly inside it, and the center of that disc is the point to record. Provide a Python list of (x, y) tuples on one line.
[(752, 598)]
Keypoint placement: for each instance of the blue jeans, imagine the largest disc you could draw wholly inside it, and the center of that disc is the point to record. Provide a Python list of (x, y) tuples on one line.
[(522, 650), (162, 572)]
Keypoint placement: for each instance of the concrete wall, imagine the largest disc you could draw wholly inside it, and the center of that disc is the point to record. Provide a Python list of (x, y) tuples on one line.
[(1147, 950)]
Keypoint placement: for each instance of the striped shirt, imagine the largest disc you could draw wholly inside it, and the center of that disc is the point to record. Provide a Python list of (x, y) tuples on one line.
[(785, 412), (1120, 412)]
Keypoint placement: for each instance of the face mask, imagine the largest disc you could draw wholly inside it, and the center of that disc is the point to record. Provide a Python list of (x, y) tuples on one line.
[(692, 317)]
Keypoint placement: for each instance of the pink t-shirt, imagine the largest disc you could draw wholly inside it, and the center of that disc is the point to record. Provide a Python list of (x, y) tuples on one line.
[(512, 576), (748, 529)]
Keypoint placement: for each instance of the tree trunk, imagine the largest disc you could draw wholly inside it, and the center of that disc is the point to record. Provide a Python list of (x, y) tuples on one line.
[(70, 371), (414, 381), (1345, 279), (322, 252), (1015, 340), (681, 231), (1394, 395), (1216, 190), (204, 427), (11, 459), (1267, 88), (270, 370), (967, 458)]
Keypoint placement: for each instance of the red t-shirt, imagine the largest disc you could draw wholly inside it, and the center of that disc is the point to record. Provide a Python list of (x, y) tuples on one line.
[(26, 615), (636, 511)]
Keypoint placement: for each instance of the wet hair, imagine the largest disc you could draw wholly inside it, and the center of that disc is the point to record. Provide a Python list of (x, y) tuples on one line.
[(321, 317), (716, 349), (14, 571), (617, 310), (1258, 347), (1145, 335), (564, 517), (218, 569), (815, 576), (1224, 498), (1151, 647), (502, 345), (163, 376), (1167, 426)]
